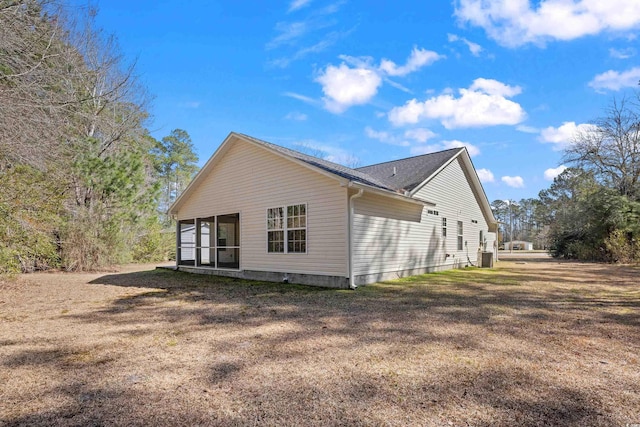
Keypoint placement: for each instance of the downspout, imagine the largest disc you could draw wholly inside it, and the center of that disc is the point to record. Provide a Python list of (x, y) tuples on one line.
[(352, 280)]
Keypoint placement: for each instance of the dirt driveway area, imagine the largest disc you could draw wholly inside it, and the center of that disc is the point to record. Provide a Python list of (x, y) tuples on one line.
[(536, 342)]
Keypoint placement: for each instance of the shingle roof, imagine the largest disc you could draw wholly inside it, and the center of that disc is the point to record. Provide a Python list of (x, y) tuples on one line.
[(409, 172), (334, 168)]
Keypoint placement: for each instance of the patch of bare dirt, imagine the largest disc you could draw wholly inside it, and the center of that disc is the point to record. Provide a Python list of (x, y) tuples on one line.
[(539, 343)]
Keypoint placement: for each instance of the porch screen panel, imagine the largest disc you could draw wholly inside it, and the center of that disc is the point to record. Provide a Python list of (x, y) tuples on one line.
[(206, 242), (228, 241), (187, 242)]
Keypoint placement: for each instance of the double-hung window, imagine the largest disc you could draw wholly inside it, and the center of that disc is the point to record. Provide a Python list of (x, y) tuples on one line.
[(287, 229), (275, 230), (444, 227), (460, 235)]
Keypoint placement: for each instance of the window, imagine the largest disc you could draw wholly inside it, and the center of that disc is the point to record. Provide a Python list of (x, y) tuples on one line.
[(432, 212), (460, 236), (275, 230), (444, 227), (297, 228), (288, 223), (481, 238)]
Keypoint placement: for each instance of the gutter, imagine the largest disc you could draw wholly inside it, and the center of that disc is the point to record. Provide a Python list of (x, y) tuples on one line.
[(404, 196), (352, 279), (361, 187)]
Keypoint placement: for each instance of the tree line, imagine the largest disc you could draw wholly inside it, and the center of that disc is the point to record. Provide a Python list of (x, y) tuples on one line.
[(591, 211), (84, 184)]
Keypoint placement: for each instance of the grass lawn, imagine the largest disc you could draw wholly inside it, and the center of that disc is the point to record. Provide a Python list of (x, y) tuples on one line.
[(535, 343)]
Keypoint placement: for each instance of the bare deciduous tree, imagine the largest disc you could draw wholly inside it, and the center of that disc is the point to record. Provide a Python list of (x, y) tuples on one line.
[(33, 106), (611, 148)]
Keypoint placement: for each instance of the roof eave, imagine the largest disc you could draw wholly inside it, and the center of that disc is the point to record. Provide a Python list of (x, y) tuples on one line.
[(223, 147), (391, 194)]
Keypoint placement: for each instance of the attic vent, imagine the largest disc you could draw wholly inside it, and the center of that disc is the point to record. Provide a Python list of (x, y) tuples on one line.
[(394, 171)]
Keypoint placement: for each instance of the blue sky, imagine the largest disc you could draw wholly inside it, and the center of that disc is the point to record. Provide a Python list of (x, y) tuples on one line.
[(362, 82)]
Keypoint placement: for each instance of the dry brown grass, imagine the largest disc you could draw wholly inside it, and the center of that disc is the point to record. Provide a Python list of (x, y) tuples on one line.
[(541, 343)]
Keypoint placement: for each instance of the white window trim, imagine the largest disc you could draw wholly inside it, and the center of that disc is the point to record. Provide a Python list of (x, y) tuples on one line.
[(285, 229), (460, 243)]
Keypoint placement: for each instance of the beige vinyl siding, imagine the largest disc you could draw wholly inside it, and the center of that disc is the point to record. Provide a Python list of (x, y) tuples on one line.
[(456, 201), (392, 236), (388, 235), (249, 180)]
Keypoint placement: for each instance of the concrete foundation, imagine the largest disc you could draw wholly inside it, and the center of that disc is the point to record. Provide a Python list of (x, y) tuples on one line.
[(273, 276), (321, 280)]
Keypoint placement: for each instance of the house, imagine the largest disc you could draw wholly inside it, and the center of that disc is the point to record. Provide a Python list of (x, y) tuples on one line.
[(518, 245), (260, 211)]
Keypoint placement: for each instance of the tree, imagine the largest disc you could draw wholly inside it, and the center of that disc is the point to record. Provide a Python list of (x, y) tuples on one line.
[(501, 213), (589, 221), (176, 165), (610, 148), (72, 117), (34, 63)]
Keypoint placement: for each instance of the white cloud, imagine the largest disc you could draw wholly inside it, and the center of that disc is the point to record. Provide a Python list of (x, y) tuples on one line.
[(622, 53), (289, 31), (513, 23), (513, 181), (327, 152), (300, 97), (419, 58), (357, 79), (472, 149), (527, 129), (474, 48), (564, 135), (485, 103), (419, 134), (297, 39), (485, 175), (614, 80), (494, 87), (296, 116), (386, 137), (298, 4), (344, 86), (327, 41), (444, 145), (551, 173)]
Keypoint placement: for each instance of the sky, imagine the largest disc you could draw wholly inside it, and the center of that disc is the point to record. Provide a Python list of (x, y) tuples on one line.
[(360, 82)]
